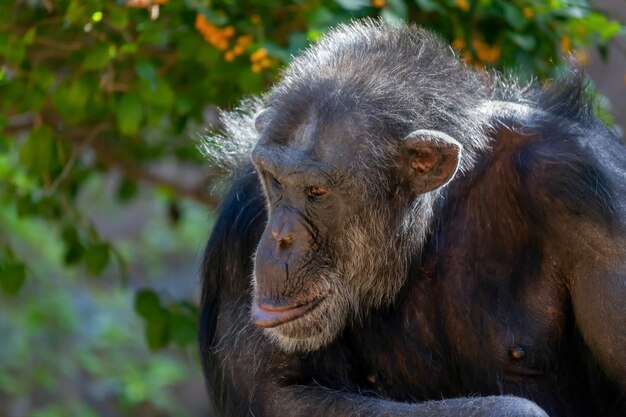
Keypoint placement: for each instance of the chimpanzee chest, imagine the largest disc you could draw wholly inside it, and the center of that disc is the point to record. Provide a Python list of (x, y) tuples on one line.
[(452, 339)]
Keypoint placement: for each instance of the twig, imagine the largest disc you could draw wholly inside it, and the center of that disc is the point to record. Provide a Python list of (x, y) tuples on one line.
[(112, 159), (67, 169), (106, 156), (69, 47)]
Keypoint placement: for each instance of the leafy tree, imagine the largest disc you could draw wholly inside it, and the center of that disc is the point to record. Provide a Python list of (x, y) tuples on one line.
[(90, 88)]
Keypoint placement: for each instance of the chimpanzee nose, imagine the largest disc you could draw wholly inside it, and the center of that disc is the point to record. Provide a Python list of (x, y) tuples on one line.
[(284, 248), (284, 240)]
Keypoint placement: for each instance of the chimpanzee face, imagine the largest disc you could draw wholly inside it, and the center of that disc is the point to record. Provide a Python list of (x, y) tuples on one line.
[(337, 215)]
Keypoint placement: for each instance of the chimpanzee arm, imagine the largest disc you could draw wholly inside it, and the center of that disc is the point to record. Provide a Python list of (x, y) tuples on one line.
[(598, 291), (313, 401), (247, 378)]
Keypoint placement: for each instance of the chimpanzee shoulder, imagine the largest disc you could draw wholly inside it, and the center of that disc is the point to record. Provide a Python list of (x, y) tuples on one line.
[(552, 153)]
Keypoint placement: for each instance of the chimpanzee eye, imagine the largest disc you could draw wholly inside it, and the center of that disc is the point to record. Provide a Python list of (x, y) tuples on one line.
[(315, 191)]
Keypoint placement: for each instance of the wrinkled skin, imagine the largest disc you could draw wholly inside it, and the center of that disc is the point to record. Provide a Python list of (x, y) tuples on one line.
[(412, 239)]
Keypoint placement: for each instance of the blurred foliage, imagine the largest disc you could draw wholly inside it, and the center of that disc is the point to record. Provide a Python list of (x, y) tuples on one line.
[(73, 347), (91, 88)]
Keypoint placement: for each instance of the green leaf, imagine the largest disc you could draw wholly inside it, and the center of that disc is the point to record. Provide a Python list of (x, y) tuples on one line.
[(321, 18), (71, 100), (526, 42), (391, 18), (129, 48), (74, 249), (96, 258), (277, 51), (29, 36), (97, 58), (250, 81), (514, 16), (160, 95), (129, 114), (5, 143), (118, 16), (75, 11), (354, 4), (182, 329), (38, 153), (157, 319), (147, 304), (429, 5), (146, 71), (598, 23), (14, 51), (44, 78), (157, 332), (25, 206), (184, 103), (398, 8), (127, 190), (78, 93), (218, 19), (313, 35), (12, 277), (152, 33), (73, 254)]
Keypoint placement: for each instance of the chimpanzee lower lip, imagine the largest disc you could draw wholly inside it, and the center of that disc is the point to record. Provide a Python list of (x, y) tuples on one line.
[(272, 317)]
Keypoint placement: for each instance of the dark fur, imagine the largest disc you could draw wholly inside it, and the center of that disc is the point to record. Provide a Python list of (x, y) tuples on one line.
[(490, 280)]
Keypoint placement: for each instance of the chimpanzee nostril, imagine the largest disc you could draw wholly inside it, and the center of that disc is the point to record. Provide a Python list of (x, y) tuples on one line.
[(285, 242)]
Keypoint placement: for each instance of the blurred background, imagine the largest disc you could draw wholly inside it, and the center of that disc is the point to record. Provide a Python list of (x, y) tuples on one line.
[(105, 202)]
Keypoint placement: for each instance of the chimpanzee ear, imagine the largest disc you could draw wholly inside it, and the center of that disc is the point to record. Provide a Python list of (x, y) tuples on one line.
[(262, 119), (429, 159)]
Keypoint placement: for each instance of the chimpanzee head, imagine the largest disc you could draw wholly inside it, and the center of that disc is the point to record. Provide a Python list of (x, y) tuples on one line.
[(355, 143)]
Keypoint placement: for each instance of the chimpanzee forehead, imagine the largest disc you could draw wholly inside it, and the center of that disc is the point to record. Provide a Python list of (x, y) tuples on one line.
[(337, 139), (320, 130)]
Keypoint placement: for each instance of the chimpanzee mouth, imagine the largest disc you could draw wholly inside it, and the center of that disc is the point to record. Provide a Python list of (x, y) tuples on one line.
[(268, 315)]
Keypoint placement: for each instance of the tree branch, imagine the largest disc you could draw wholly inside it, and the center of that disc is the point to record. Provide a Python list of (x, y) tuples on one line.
[(109, 157), (130, 169)]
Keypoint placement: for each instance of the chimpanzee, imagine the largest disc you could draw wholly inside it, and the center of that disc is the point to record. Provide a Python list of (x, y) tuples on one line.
[(408, 236)]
